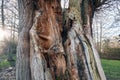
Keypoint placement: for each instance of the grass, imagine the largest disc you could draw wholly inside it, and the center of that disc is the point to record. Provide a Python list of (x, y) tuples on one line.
[(4, 62), (111, 69), (8, 54)]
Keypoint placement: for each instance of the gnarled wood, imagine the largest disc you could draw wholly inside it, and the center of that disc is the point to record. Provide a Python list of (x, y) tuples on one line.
[(83, 60), (47, 55)]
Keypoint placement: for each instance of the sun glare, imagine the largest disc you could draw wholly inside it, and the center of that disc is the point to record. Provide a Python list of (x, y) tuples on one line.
[(3, 34)]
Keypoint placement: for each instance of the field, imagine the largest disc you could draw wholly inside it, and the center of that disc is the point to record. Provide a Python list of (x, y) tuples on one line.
[(111, 69)]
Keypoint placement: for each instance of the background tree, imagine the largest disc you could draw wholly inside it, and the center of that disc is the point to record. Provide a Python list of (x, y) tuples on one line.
[(2, 12), (48, 50), (106, 23), (9, 18), (8, 32)]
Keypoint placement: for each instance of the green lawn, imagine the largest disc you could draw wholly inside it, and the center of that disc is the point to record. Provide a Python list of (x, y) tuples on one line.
[(111, 69)]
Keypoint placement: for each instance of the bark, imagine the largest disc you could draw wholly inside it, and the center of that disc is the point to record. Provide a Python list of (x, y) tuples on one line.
[(79, 45), (23, 49), (55, 51)]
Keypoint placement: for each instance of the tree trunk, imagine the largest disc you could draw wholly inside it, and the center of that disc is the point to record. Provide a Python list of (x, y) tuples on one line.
[(2, 13), (55, 51), (23, 49)]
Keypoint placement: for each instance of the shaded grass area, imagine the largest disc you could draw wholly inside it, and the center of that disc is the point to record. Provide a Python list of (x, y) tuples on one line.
[(7, 53), (111, 69), (5, 62)]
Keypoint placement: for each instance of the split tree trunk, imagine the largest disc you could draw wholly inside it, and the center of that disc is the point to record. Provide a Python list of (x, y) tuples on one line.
[(55, 51)]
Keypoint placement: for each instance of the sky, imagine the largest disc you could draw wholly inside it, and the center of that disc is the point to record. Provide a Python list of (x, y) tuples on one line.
[(10, 18), (64, 3), (109, 19)]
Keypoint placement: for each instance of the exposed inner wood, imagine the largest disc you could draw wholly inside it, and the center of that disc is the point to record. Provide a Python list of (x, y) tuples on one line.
[(46, 41), (53, 58)]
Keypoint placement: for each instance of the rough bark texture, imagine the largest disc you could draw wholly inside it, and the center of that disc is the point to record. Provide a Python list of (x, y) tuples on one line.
[(83, 57), (57, 52), (23, 49)]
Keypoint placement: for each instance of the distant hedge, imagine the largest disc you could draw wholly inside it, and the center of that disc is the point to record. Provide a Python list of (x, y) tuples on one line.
[(111, 53)]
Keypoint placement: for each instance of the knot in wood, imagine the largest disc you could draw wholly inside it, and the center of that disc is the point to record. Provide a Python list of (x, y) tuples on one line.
[(56, 48), (53, 49)]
